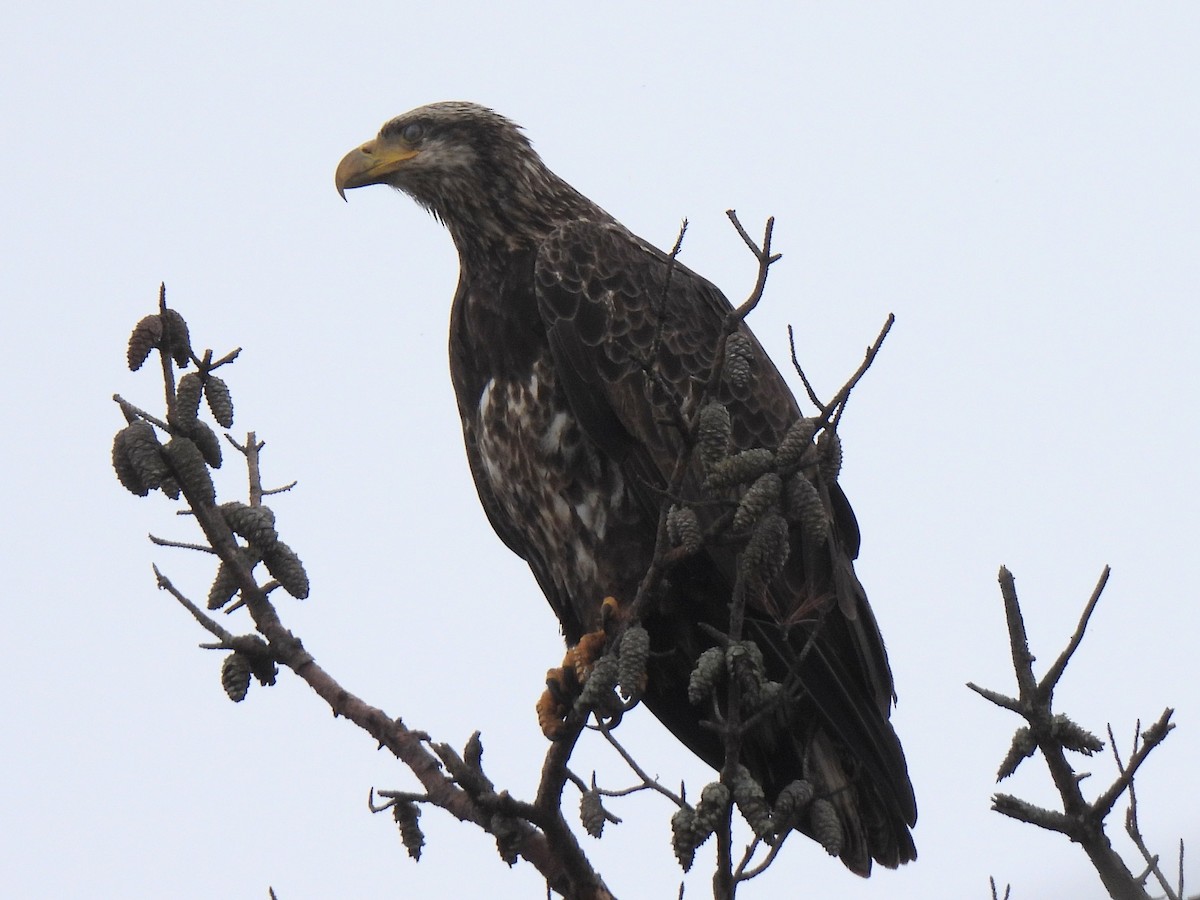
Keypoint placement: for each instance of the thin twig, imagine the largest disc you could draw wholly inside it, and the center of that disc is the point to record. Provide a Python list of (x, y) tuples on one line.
[(1001, 700), (744, 874), (224, 360), (812, 394), (1152, 867), (208, 623), (253, 471), (1141, 740), (180, 545), (831, 413), (393, 797), (647, 781), (164, 356), (843, 396), (660, 304), (1150, 738), (1055, 672), (132, 412), (765, 260)]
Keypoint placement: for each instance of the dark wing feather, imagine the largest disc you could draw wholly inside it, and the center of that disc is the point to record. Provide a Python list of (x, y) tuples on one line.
[(614, 305), (615, 309)]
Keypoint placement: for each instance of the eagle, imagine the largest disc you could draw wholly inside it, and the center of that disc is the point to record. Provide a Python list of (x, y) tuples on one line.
[(574, 347)]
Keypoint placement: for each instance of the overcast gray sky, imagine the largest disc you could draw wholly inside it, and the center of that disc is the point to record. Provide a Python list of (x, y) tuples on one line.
[(1018, 183)]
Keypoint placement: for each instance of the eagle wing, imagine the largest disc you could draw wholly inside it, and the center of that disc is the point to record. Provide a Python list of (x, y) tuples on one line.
[(633, 333)]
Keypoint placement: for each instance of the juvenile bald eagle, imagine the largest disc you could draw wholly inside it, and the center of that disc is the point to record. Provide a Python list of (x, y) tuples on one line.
[(558, 311)]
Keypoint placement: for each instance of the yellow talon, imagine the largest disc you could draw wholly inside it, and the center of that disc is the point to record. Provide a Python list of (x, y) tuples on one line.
[(563, 683)]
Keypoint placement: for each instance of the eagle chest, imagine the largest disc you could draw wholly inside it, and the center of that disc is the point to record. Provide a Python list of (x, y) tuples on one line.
[(550, 483)]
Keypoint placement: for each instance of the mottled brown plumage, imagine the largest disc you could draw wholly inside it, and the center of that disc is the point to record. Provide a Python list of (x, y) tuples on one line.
[(559, 314)]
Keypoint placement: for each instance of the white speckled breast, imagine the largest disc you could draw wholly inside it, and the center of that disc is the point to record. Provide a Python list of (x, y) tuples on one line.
[(528, 440)]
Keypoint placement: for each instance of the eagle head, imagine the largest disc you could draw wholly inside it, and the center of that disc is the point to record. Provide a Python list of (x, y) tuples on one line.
[(431, 146), (472, 168)]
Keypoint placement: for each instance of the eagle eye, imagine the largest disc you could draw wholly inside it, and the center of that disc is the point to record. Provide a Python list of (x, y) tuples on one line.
[(412, 132)]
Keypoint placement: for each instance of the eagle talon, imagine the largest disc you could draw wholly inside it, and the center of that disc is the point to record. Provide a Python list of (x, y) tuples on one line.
[(561, 685), (557, 701), (564, 684), (582, 657), (610, 613)]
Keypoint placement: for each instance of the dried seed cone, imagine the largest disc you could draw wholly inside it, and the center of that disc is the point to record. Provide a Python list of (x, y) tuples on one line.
[(744, 661), (791, 803), (591, 813), (1022, 747), (769, 692), (597, 691), (406, 814), (826, 826), (804, 506), (187, 401), (760, 497), (797, 440), (235, 676), (1075, 737), (126, 473), (829, 448), (264, 669), (710, 668), (220, 403), (144, 338), (766, 553), (225, 585), (635, 653), (286, 568), (208, 442), (741, 468), (713, 431), (145, 452), (683, 528), (255, 523), (176, 340), (751, 802), (683, 837), (137, 458), (714, 800), (739, 356), (188, 464)]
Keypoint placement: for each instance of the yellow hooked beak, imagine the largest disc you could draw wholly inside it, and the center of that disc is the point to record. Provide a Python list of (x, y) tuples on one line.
[(372, 163)]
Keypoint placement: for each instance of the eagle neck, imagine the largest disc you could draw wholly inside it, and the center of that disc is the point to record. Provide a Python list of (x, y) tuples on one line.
[(512, 213)]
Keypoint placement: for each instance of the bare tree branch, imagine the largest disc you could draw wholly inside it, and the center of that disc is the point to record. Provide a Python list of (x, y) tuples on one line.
[(1055, 734), (243, 537)]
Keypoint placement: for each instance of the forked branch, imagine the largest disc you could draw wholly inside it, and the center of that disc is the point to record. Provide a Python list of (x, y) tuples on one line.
[(1055, 735)]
